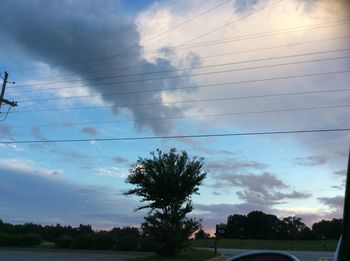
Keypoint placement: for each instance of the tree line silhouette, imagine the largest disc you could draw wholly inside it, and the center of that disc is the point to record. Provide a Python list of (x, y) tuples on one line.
[(255, 225), (258, 225), (81, 237)]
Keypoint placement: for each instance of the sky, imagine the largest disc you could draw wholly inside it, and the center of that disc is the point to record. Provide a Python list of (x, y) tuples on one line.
[(91, 70)]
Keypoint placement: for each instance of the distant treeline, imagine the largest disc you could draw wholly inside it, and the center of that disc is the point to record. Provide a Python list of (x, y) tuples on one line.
[(82, 237), (255, 225), (258, 225)]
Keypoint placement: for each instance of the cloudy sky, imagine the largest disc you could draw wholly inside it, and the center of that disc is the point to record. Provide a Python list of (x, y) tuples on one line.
[(91, 70)]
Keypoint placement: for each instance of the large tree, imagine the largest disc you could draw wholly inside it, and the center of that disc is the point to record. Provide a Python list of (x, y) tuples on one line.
[(166, 182), (236, 226)]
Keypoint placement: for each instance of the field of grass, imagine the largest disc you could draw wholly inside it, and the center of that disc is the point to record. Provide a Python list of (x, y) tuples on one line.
[(188, 254), (298, 245)]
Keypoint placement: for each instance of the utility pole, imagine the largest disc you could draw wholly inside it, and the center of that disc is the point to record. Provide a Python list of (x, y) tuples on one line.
[(344, 249), (2, 100)]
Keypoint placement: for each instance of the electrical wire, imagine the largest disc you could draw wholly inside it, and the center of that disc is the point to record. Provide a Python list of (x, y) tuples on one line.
[(207, 33), (186, 101), (176, 70), (238, 38), (146, 63), (180, 136), (179, 88), (149, 39), (7, 113), (230, 23), (191, 87), (174, 27), (188, 117)]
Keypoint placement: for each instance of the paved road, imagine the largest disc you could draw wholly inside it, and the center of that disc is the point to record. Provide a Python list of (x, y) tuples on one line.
[(42, 255), (301, 255)]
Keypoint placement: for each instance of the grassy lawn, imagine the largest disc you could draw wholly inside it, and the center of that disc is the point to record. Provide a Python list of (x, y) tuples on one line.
[(187, 254), (45, 245), (298, 245)]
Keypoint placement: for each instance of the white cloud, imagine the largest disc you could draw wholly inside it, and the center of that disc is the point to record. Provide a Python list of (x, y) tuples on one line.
[(287, 14), (29, 167), (112, 171)]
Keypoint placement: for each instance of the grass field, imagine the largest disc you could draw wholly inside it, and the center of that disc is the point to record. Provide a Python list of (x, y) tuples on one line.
[(298, 245), (188, 254)]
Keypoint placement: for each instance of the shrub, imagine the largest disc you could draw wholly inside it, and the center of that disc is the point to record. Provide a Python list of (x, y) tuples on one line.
[(3, 239), (10, 240), (127, 243), (104, 240), (31, 239), (147, 243), (64, 242), (86, 241)]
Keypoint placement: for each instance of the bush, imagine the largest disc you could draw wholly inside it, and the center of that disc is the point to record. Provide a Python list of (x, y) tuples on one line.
[(127, 243), (86, 241), (10, 240), (3, 239), (31, 239), (104, 240), (64, 242), (147, 244)]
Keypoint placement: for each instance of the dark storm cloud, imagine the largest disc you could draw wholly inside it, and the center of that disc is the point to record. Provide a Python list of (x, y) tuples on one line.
[(337, 187), (5, 131), (242, 6), (310, 161), (258, 189), (251, 181), (90, 131), (70, 155), (37, 133), (120, 160), (340, 173), (265, 197), (228, 153), (46, 198), (81, 38), (230, 165), (333, 202)]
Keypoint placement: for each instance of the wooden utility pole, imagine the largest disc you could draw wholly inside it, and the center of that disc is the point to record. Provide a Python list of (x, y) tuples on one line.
[(2, 100)]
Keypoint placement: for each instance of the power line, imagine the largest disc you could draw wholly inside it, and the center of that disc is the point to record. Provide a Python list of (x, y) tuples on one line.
[(193, 86), (187, 101), (152, 37), (230, 23), (179, 136), (178, 25), (238, 38), (226, 54), (207, 33), (178, 76), (190, 116), (243, 37), (239, 52), (176, 70)]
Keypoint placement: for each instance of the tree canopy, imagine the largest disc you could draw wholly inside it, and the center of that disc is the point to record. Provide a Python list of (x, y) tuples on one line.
[(166, 182), (258, 225)]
